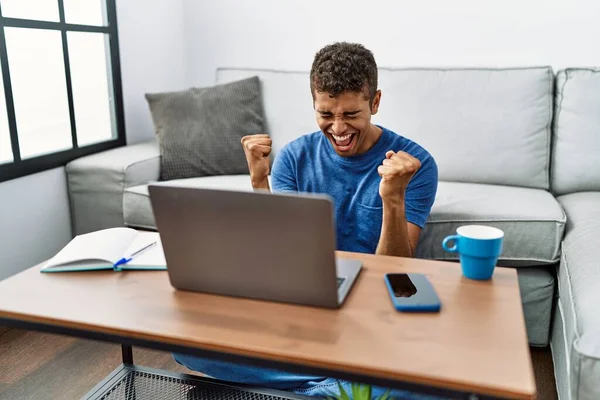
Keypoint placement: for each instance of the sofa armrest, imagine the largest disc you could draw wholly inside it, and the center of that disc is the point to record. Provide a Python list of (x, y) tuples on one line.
[(96, 183)]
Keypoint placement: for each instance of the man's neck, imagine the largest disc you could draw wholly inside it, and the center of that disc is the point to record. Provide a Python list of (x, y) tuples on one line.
[(373, 136)]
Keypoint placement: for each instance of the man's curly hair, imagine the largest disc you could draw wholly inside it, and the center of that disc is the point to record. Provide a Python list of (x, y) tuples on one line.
[(344, 67)]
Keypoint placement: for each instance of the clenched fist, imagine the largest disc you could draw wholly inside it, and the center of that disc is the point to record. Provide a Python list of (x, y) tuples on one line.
[(257, 149), (396, 172)]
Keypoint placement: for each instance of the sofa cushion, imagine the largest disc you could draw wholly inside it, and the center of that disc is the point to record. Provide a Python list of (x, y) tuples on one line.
[(579, 279), (137, 210), (481, 125), (200, 129), (531, 219), (576, 146), (97, 182), (560, 353), (537, 294)]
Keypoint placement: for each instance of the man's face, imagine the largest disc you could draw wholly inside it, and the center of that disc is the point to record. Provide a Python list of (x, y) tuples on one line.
[(346, 121)]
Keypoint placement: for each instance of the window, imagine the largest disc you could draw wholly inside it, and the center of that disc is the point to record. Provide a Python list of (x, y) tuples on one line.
[(60, 92)]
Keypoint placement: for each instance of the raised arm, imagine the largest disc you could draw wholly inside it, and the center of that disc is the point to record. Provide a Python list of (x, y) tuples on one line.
[(257, 149), (407, 191)]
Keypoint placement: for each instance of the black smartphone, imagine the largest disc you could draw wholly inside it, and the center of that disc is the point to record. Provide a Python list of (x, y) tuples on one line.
[(412, 292)]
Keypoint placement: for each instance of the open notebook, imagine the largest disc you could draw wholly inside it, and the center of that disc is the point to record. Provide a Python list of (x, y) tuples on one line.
[(109, 249)]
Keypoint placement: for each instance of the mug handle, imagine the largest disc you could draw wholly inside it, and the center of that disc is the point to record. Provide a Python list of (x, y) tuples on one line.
[(454, 248)]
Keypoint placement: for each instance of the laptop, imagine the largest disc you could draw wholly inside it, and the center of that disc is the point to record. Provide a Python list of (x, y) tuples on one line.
[(277, 247)]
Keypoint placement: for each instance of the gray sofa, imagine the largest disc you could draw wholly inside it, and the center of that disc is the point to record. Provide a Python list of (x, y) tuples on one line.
[(516, 148)]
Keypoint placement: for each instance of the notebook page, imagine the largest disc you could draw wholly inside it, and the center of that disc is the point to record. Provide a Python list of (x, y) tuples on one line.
[(154, 256), (107, 245)]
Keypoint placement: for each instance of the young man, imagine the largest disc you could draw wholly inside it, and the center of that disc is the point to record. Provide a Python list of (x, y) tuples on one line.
[(383, 186)]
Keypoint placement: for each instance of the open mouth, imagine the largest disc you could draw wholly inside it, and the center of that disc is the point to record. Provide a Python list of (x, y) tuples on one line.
[(344, 143)]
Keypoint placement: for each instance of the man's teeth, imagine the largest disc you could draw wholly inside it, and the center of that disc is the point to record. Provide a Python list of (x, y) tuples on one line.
[(341, 138)]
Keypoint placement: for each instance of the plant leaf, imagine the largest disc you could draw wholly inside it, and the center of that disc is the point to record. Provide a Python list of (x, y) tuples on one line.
[(361, 391), (366, 392), (343, 394), (385, 396), (356, 389)]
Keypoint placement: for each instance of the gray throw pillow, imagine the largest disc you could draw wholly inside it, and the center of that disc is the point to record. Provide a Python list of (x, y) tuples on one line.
[(200, 129)]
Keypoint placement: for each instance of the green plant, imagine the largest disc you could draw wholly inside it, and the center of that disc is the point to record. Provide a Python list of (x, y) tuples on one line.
[(359, 392)]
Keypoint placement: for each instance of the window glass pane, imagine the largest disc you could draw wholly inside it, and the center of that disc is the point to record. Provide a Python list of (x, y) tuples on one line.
[(43, 10), (92, 94), (37, 73), (85, 12), (5, 146)]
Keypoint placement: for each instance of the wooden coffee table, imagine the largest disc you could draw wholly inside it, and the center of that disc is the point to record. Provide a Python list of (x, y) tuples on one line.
[(477, 344)]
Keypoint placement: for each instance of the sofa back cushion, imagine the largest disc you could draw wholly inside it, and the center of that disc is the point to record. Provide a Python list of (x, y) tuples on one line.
[(481, 125), (576, 145)]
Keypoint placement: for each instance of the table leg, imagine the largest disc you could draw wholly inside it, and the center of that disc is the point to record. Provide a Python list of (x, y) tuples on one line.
[(127, 353)]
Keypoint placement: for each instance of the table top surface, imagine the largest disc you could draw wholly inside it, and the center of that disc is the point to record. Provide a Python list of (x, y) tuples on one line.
[(477, 342)]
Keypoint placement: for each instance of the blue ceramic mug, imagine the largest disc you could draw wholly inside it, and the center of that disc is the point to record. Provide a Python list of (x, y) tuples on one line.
[(479, 247)]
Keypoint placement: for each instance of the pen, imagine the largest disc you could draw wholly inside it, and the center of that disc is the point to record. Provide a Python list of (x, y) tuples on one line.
[(125, 260)]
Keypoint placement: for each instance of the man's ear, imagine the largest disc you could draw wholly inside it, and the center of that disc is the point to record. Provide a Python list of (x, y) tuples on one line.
[(375, 102)]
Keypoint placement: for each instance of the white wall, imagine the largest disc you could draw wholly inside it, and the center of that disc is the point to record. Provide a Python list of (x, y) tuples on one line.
[(35, 219), (151, 46), (286, 34)]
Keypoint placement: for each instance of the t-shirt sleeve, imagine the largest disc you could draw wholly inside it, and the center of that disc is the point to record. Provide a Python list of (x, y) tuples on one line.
[(420, 193), (283, 173)]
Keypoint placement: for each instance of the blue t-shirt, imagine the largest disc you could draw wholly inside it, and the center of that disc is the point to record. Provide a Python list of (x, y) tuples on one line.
[(310, 164)]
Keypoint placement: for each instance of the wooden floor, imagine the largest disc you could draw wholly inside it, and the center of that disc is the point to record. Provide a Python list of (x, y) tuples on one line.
[(41, 366)]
